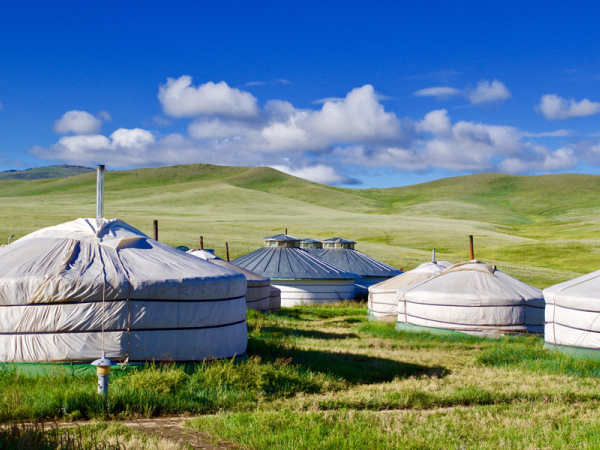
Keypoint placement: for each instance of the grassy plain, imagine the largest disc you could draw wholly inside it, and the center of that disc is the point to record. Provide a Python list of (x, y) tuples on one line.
[(324, 377), (542, 229)]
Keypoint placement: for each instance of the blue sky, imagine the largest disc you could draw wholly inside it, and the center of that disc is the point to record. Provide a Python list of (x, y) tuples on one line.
[(360, 94)]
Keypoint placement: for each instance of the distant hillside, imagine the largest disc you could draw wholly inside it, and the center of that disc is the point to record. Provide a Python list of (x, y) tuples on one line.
[(543, 229), (42, 173)]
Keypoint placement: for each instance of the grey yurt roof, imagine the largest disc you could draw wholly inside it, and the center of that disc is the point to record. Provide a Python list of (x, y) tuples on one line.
[(281, 237), (339, 240), (282, 262), (250, 276), (354, 261), (310, 241)]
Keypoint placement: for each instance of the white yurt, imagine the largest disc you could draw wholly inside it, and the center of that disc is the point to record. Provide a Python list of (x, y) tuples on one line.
[(383, 297), (301, 277), (275, 299), (341, 253), (474, 298), (69, 291), (258, 288), (573, 316)]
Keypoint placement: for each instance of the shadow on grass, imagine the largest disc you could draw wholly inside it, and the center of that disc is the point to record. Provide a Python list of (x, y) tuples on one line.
[(354, 368), (310, 334), (316, 313)]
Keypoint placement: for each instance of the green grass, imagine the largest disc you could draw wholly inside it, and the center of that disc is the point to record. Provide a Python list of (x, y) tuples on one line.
[(543, 229), (324, 377)]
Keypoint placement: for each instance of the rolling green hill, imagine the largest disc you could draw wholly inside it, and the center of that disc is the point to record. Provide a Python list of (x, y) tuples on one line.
[(542, 229), (40, 173)]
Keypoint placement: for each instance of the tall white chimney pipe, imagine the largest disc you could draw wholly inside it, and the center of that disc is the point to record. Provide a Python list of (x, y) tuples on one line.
[(100, 191), (433, 255)]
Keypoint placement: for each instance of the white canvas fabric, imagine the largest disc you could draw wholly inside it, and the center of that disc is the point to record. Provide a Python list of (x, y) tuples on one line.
[(258, 286), (308, 292), (383, 297), (275, 299), (475, 298), (61, 286), (573, 312)]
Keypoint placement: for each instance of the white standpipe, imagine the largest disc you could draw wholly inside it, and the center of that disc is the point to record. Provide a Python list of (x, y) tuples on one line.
[(100, 191), (433, 255)]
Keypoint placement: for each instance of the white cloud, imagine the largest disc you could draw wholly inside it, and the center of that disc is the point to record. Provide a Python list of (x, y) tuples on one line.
[(161, 121), (464, 146), (489, 91), (180, 99), (556, 133), (104, 115), (124, 147), (319, 174), (485, 92), (439, 92), (540, 159), (317, 144), (359, 116), (78, 122), (263, 83), (320, 101), (554, 107), (217, 129), (436, 122)]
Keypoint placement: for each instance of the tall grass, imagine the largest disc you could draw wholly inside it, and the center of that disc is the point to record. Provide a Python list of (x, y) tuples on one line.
[(35, 436), (535, 358), (158, 390)]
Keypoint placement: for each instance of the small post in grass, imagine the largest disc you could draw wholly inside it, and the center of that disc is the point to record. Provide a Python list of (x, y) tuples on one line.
[(156, 230), (227, 250), (201, 242), (471, 247), (103, 371)]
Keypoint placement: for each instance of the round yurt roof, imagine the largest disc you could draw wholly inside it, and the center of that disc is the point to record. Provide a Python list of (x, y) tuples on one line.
[(66, 271), (283, 262), (416, 275), (471, 283), (354, 261), (252, 277), (310, 241), (581, 292)]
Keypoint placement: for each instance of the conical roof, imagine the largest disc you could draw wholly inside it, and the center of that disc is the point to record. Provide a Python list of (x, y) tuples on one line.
[(252, 277), (581, 293), (86, 276), (290, 263), (473, 282), (354, 261), (418, 274)]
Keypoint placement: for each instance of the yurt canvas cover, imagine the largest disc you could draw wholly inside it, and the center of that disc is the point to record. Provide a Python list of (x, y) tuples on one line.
[(472, 297), (383, 297), (275, 299), (63, 287), (341, 253), (301, 277), (259, 287), (573, 316)]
